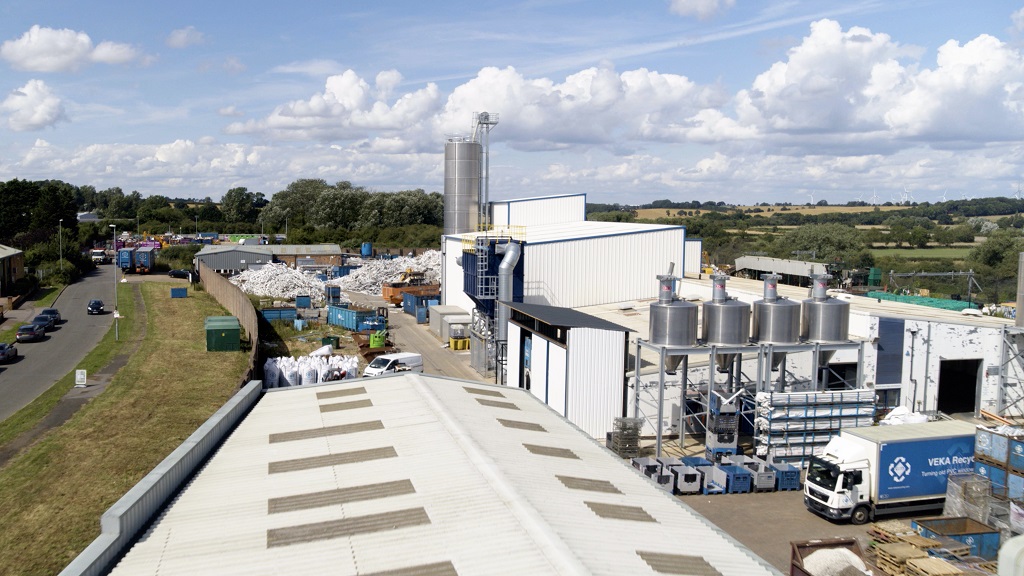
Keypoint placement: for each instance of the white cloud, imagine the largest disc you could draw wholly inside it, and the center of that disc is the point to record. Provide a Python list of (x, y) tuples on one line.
[(185, 37), (702, 9), (50, 50), (233, 65), (229, 111), (313, 68), (1018, 20), (32, 107)]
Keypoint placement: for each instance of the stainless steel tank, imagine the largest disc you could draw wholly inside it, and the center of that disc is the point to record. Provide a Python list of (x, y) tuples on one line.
[(726, 322), (776, 320), (461, 185), (673, 321), (826, 320)]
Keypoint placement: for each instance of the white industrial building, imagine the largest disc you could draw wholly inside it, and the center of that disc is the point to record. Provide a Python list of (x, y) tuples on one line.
[(412, 475), (573, 362)]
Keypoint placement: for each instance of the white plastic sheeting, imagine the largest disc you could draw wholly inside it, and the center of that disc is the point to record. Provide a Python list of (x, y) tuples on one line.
[(286, 371), (368, 278)]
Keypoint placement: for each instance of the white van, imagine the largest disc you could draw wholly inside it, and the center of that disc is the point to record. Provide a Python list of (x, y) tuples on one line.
[(397, 362)]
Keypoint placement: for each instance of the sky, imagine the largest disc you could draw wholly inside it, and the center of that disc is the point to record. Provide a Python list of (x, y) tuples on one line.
[(739, 101)]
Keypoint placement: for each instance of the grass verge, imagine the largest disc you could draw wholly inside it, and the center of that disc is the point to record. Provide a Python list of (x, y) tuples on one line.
[(53, 494)]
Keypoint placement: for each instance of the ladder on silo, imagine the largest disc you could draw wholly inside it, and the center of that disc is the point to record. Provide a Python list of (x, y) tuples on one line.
[(486, 284)]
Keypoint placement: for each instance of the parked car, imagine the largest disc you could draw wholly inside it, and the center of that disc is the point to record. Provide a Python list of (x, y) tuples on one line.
[(8, 352), (95, 307), (51, 312), (46, 322), (30, 333), (179, 274)]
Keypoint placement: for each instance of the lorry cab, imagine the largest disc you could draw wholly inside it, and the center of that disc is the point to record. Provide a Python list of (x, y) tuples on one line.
[(397, 362), (838, 490)]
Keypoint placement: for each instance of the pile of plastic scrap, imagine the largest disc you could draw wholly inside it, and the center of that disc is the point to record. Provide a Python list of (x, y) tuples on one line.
[(368, 278), (280, 282)]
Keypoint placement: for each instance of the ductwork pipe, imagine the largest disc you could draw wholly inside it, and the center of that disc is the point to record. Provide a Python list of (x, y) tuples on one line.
[(512, 251)]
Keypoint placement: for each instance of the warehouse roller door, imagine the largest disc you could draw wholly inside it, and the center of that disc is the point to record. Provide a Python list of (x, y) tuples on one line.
[(958, 385)]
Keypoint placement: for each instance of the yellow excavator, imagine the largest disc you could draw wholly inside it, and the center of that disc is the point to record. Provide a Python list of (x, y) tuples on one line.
[(708, 268)]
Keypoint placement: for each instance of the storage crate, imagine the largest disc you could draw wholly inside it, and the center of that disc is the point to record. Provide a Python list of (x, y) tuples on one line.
[(709, 485), (763, 476), (1017, 454), (458, 343), (299, 324), (332, 341), (647, 466), (738, 480), (303, 302), (787, 476), (1014, 485), (695, 461), (995, 474), (983, 540), (179, 292), (687, 479), (991, 446)]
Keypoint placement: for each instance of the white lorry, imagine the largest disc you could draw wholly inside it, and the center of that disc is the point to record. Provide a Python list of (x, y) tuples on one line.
[(875, 470), (395, 362)]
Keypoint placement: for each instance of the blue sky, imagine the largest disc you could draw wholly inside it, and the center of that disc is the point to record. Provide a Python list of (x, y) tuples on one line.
[(731, 100)]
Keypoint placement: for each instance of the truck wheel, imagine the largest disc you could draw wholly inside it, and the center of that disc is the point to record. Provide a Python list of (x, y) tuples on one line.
[(860, 515)]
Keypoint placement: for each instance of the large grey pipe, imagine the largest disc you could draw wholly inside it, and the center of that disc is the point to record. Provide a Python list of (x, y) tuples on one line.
[(512, 252), (1019, 318)]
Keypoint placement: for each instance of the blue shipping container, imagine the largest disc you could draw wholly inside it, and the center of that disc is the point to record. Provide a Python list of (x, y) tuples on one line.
[(303, 302)]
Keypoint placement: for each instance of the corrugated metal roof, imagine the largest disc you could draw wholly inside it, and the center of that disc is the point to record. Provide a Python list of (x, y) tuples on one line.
[(533, 198), (7, 251), (302, 249), (224, 248), (582, 230), (423, 479)]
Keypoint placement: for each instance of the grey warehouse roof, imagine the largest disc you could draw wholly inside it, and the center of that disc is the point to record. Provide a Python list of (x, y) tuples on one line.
[(7, 251), (565, 317), (416, 474)]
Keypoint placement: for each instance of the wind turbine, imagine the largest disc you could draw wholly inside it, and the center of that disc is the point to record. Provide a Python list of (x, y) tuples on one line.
[(907, 196), (874, 197), (944, 194), (811, 194)]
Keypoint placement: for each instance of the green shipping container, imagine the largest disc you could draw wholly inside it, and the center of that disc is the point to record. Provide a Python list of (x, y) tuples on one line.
[(223, 334)]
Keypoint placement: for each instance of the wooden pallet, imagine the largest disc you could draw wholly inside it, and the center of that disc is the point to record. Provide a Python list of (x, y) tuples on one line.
[(919, 541), (930, 567), (890, 530), (893, 556)]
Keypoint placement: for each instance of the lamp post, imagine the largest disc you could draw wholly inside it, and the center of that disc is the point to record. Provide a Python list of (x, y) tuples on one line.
[(197, 225), (116, 266), (60, 242)]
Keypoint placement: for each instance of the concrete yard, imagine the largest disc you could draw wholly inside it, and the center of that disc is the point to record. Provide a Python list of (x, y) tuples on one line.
[(767, 522)]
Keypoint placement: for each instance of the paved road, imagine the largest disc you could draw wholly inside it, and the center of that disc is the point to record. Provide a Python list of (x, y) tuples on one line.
[(412, 337), (41, 364)]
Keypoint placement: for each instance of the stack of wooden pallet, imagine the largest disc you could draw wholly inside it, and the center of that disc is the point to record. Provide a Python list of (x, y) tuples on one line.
[(893, 556)]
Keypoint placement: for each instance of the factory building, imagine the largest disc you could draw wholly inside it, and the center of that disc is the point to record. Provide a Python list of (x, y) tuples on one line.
[(573, 362), (232, 259), (415, 474)]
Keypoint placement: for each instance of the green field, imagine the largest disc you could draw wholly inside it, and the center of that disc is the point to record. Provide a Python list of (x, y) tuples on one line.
[(53, 493)]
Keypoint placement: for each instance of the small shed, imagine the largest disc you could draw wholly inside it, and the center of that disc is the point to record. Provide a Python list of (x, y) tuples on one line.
[(572, 361), (223, 334), (232, 259)]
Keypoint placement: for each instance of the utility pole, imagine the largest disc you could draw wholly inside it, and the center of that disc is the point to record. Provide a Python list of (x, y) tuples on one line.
[(60, 242)]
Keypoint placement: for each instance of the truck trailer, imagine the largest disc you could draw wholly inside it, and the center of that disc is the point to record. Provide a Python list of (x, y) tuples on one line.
[(876, 470), (126, 260), (144, 258)]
